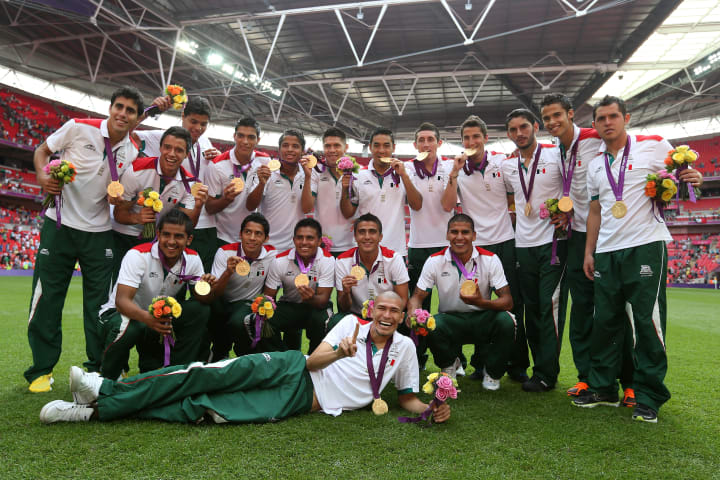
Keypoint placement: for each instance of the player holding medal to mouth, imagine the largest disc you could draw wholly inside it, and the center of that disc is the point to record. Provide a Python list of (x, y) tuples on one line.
[(626, 257), (465, 276)]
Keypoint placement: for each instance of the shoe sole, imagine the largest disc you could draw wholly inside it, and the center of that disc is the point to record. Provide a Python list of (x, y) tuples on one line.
[(640, 418), (593, 405), (491, 389), (77, 396)]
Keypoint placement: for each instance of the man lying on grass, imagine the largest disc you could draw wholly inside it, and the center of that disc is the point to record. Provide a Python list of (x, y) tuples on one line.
[(265, 386)]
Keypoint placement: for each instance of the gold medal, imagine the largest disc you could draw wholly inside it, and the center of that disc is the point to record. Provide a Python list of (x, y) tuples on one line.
[(202, 288), (302, 280), (273, 165), (565, 204), (528, 209), (422, 155), (467, 288), (242, 268), (115, 189), (238, 184), (379, 406), (358, 272), (470, 151), (195, 189), (387, 160), (311, 161), (619, 209)]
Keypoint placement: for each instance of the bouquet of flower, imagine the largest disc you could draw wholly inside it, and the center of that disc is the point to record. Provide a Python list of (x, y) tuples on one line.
[(263, 308), (442, 386), (326, 243), (547, 210), (151, 199), (348, 165), (367, 309), (166, 307), (679, 159), (178, 95), (62, 171), (661, 187), (421, 324)]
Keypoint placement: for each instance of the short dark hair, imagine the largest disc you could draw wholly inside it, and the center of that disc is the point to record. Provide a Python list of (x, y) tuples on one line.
[(308, 222), (560, 98), (176, 217), (197, 106), (461, 218), (334, 132), (292, 133), (248, 122), (520, 112), (130, 93), (367, 217), (178, 132), (474, 121), (608, 100), (427, 126), (258, 218), (382, 131)]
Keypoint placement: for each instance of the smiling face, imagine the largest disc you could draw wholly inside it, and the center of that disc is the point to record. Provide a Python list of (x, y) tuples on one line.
[(246, 138), (173, 151), (368, 237), (461, 237), (387, 315), (474, 138), (291, 149), (556, 120), (196, 124), (122, 115), (427, 141), (252, 237), (333, 148), (382, 146), (522, 132), (172, 240), (306, 241)]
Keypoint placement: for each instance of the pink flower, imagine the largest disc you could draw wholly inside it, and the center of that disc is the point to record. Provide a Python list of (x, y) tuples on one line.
[(421, 315), (444, 382), (441, 394), (453, 392), (544, 212), (345, 163), (327, 242)]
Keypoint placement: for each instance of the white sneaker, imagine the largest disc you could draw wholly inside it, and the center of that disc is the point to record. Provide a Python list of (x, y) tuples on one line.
[(490, 383), (61, 411), (459, 370), (84, 386)]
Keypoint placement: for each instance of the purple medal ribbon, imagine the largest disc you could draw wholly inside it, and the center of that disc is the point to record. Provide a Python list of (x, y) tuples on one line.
[(617, 187), (170, 179), (357, 263), (527, 191), (691, 189), (301, 264), (422, 172), (239, 171), (181, 276), (423, 416), (376, 380), (389, 171), (567, 174), (461, 267), (195, 167), (469, 168)]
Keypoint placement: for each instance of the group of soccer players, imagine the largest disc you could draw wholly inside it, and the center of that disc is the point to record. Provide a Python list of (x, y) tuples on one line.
[(231, 227)]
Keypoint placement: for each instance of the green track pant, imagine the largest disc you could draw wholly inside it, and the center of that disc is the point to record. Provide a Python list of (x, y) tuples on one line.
[(519, 361), (545, 304), (254, 388), (205, 242), (121, 334), (495, 330), (630, 285), (58, 252), (290, 318)]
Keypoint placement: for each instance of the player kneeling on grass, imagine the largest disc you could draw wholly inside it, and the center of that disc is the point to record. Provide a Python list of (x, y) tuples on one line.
[(264, 386), (160, 268), (464, 276)]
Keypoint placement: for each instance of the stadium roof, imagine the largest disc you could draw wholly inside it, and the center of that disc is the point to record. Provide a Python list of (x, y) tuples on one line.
[(362, 64)]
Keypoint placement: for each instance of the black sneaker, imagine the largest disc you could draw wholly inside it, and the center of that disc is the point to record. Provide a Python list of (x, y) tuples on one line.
[(518, 377), (643, 413), (536, 385), (593, 399), (476, 375)]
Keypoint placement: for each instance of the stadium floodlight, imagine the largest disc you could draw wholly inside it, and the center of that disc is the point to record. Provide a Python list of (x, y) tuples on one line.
[(136, 45), (187, 46), (227, 68), (214, 59), (360, 15), (468, 5)]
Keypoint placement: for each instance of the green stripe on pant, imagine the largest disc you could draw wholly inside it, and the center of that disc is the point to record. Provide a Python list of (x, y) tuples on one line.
[(545, 304), (58, 252), (252, 388), (630, 284)]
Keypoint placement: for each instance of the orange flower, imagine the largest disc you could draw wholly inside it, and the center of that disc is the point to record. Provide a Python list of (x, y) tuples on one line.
[(174, 90), (651, 192), (668, 161), (158, 304), (157, 312), (422, 331), (167, 310), (254, 307), (650, 184), (140, 201)]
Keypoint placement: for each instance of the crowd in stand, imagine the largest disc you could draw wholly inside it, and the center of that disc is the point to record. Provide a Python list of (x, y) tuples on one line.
[(693, 258), (21, 124), (19, 238)]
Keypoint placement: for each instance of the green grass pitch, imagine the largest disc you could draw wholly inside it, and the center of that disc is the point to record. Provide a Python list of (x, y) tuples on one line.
[(504, 434)]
